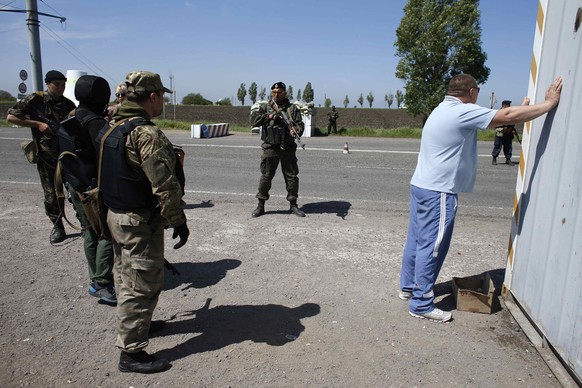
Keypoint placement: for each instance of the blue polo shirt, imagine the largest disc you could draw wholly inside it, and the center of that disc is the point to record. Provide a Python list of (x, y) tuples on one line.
[(447, 161)]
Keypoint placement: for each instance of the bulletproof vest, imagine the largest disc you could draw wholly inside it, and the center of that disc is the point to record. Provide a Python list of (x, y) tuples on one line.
[(79, 169), (278, 133), (123, 186)]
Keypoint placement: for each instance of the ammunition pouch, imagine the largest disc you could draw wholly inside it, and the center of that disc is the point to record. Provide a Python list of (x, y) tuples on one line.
[(95, 211), (30, 150), (274, 135)]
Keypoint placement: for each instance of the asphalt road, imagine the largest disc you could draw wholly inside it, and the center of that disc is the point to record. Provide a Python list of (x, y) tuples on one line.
[(375, 175)]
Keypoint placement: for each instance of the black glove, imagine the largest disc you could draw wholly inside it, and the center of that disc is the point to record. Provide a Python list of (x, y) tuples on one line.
[(183, 232)]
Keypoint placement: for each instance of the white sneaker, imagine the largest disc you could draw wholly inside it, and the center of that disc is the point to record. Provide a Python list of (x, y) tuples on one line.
[(404, 295), (436, 315)]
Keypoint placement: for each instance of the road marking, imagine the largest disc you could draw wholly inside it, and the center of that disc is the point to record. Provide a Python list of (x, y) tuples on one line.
[(369, 201), (185, 145)]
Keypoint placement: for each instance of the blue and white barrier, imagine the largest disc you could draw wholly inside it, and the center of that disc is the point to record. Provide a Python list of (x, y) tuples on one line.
[(199, 131)]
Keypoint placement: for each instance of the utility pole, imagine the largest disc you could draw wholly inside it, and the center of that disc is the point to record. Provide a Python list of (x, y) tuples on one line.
[(173, 98), (34, 44), (492, 100), (34, 40)]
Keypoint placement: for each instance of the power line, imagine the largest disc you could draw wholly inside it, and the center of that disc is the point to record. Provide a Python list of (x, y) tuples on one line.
[(92, 66), (57, 12), (7, 5)]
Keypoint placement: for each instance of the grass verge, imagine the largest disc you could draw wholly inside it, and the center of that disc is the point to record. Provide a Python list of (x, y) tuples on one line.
[(403, 133)]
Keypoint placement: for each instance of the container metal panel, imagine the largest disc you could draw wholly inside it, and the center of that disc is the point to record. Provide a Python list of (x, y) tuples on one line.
[(544, 270)]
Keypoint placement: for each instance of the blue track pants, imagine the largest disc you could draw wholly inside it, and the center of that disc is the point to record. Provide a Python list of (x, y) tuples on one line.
[(432, 218)]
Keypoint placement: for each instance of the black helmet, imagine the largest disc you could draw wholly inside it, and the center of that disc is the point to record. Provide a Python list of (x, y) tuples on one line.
[(94, 92)]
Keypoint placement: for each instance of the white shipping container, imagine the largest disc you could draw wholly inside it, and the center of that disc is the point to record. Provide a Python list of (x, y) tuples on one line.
[(544, 265)]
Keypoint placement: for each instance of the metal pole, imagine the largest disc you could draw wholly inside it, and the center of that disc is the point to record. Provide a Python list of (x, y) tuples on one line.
[(173, 97), (492, 100), (34, 44)]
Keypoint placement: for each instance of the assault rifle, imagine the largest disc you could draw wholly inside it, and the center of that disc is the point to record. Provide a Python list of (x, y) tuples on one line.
[(290, 124), (53, 125)]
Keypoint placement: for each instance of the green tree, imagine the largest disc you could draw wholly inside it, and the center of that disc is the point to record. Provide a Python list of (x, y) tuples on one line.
[(346, 101), (262, 93), (436, 40), (370, 98), (299, 95), (195, 99), (399, 98), (361, 100), (290, 92), (389, 99), (224, 102), (308, 93), (241, 94), (5, 96), (327, 102), (253, 92)]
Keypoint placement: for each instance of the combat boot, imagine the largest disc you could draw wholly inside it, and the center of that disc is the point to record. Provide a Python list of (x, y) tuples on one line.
[(494, 161), (260, 210), (295, 210), (58, 233), (509, 162), (141, 362)]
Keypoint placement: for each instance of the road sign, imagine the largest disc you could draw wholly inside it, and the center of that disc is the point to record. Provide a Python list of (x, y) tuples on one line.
[(22, 87), (23, 75)]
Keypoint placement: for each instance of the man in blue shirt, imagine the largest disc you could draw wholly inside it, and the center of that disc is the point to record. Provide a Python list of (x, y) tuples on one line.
[(447, 165)]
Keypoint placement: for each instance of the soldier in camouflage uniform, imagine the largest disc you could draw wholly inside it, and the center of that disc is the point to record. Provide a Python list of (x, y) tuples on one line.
[(143, 195), (42, 112), (504, 137), (278, 146), (332, 120)]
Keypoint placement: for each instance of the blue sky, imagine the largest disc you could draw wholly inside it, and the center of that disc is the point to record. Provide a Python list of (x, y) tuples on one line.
[(211, 47)]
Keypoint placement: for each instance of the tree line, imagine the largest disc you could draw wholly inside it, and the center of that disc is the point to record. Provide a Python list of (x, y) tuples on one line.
[(255, 93)]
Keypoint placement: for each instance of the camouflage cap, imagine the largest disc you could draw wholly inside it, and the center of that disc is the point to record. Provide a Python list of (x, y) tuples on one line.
[(145, 81)]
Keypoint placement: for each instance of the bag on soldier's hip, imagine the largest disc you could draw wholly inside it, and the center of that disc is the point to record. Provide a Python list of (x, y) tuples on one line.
[(30, 150), (96, 211)]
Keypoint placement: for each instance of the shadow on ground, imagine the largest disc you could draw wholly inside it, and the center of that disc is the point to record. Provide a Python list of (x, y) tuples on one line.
[(221, 326), (341, 208), (198, 275)]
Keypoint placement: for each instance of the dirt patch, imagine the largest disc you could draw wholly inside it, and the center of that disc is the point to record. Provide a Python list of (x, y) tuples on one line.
[(274, 301)]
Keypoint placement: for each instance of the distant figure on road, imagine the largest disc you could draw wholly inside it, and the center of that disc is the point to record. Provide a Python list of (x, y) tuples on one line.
[(43, 112), (447, 165), (504, 137), (332, 120)]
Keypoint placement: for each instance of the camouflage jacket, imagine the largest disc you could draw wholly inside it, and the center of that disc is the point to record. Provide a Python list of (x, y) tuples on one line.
[(148, 149), (332, 116), (259, 117), (40, 106)]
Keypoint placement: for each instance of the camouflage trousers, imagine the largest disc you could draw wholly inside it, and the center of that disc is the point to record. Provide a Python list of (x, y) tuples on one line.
[(98, 251), (270, 159), (46, 173), (138, 273)]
